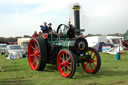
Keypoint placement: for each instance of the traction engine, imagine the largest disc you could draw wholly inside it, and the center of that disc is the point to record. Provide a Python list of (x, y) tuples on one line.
[(66, 47)]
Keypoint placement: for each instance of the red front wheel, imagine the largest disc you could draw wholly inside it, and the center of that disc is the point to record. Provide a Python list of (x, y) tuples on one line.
[(66, 63), (94, 62)]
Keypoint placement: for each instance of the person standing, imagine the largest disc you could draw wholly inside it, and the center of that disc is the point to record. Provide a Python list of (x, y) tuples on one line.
[(50, 27), (35, 35), (40, 34), (44, 28)]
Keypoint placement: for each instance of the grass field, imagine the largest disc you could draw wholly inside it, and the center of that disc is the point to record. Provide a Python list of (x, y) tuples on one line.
[(18, 72)]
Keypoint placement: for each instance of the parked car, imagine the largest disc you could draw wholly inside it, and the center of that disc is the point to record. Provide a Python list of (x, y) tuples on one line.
[(3, 48), (15, 52)]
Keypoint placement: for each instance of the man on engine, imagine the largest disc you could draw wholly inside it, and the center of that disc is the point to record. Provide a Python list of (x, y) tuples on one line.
[(44, 28), (50, 27)]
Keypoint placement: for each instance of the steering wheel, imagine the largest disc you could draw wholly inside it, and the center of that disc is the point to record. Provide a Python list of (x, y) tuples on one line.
[(61, 28)]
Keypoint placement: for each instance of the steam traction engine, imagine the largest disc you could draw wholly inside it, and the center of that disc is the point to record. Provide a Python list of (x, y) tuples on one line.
[(64, 48)]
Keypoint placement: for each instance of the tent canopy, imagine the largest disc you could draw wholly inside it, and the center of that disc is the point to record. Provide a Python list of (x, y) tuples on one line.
[(99, 46)]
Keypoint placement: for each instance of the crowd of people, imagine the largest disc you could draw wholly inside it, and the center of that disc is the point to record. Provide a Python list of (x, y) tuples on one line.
[(44, 29)]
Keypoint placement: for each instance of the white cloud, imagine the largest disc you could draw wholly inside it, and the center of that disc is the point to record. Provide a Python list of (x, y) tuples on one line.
[(27, 15), (106, 7), (25, 23)]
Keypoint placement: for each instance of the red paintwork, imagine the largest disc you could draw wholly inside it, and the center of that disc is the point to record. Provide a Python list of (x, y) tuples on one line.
[(64, 63), (33, 54), (90, 66), (45, 35), (125, 43)]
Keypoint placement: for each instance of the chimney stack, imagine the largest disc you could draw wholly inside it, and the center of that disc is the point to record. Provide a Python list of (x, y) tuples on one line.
[(76, 9)]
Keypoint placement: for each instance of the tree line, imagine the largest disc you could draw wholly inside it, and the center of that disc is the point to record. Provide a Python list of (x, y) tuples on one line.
[(12, 39)]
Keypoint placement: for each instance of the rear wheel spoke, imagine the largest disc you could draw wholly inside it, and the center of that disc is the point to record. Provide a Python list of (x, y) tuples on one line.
[(33, 62), (94, 65), (94, 60), (36, 60), (37, 48), (91, 66), (61, 64), (61, 58), (32, 55), (35, 44), (33, 48), (38, 55), (94, 56)]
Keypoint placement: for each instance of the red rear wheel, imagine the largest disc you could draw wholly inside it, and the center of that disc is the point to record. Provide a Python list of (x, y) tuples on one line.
[(36, 54), (65, 63), (93, 65)]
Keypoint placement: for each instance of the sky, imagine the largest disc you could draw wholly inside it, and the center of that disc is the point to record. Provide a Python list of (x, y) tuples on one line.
[(23, 17)]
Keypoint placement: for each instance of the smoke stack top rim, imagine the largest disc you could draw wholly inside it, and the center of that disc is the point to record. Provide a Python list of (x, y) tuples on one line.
[(76, 7)]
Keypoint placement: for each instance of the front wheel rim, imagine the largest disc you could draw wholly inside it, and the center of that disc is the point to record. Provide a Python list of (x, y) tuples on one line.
[(64, 63)]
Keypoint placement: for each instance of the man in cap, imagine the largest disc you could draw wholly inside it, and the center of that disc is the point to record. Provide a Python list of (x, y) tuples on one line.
[(50, 27)]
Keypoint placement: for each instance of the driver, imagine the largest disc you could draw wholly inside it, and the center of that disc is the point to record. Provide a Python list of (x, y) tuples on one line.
[(44, 28)]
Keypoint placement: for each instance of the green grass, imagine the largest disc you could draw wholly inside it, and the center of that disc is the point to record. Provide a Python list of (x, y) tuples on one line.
[(18, 72)]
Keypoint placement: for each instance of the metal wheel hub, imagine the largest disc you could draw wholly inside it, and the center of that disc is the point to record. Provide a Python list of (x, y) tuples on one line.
[(91, 61), (36, 53), (65, 63)]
